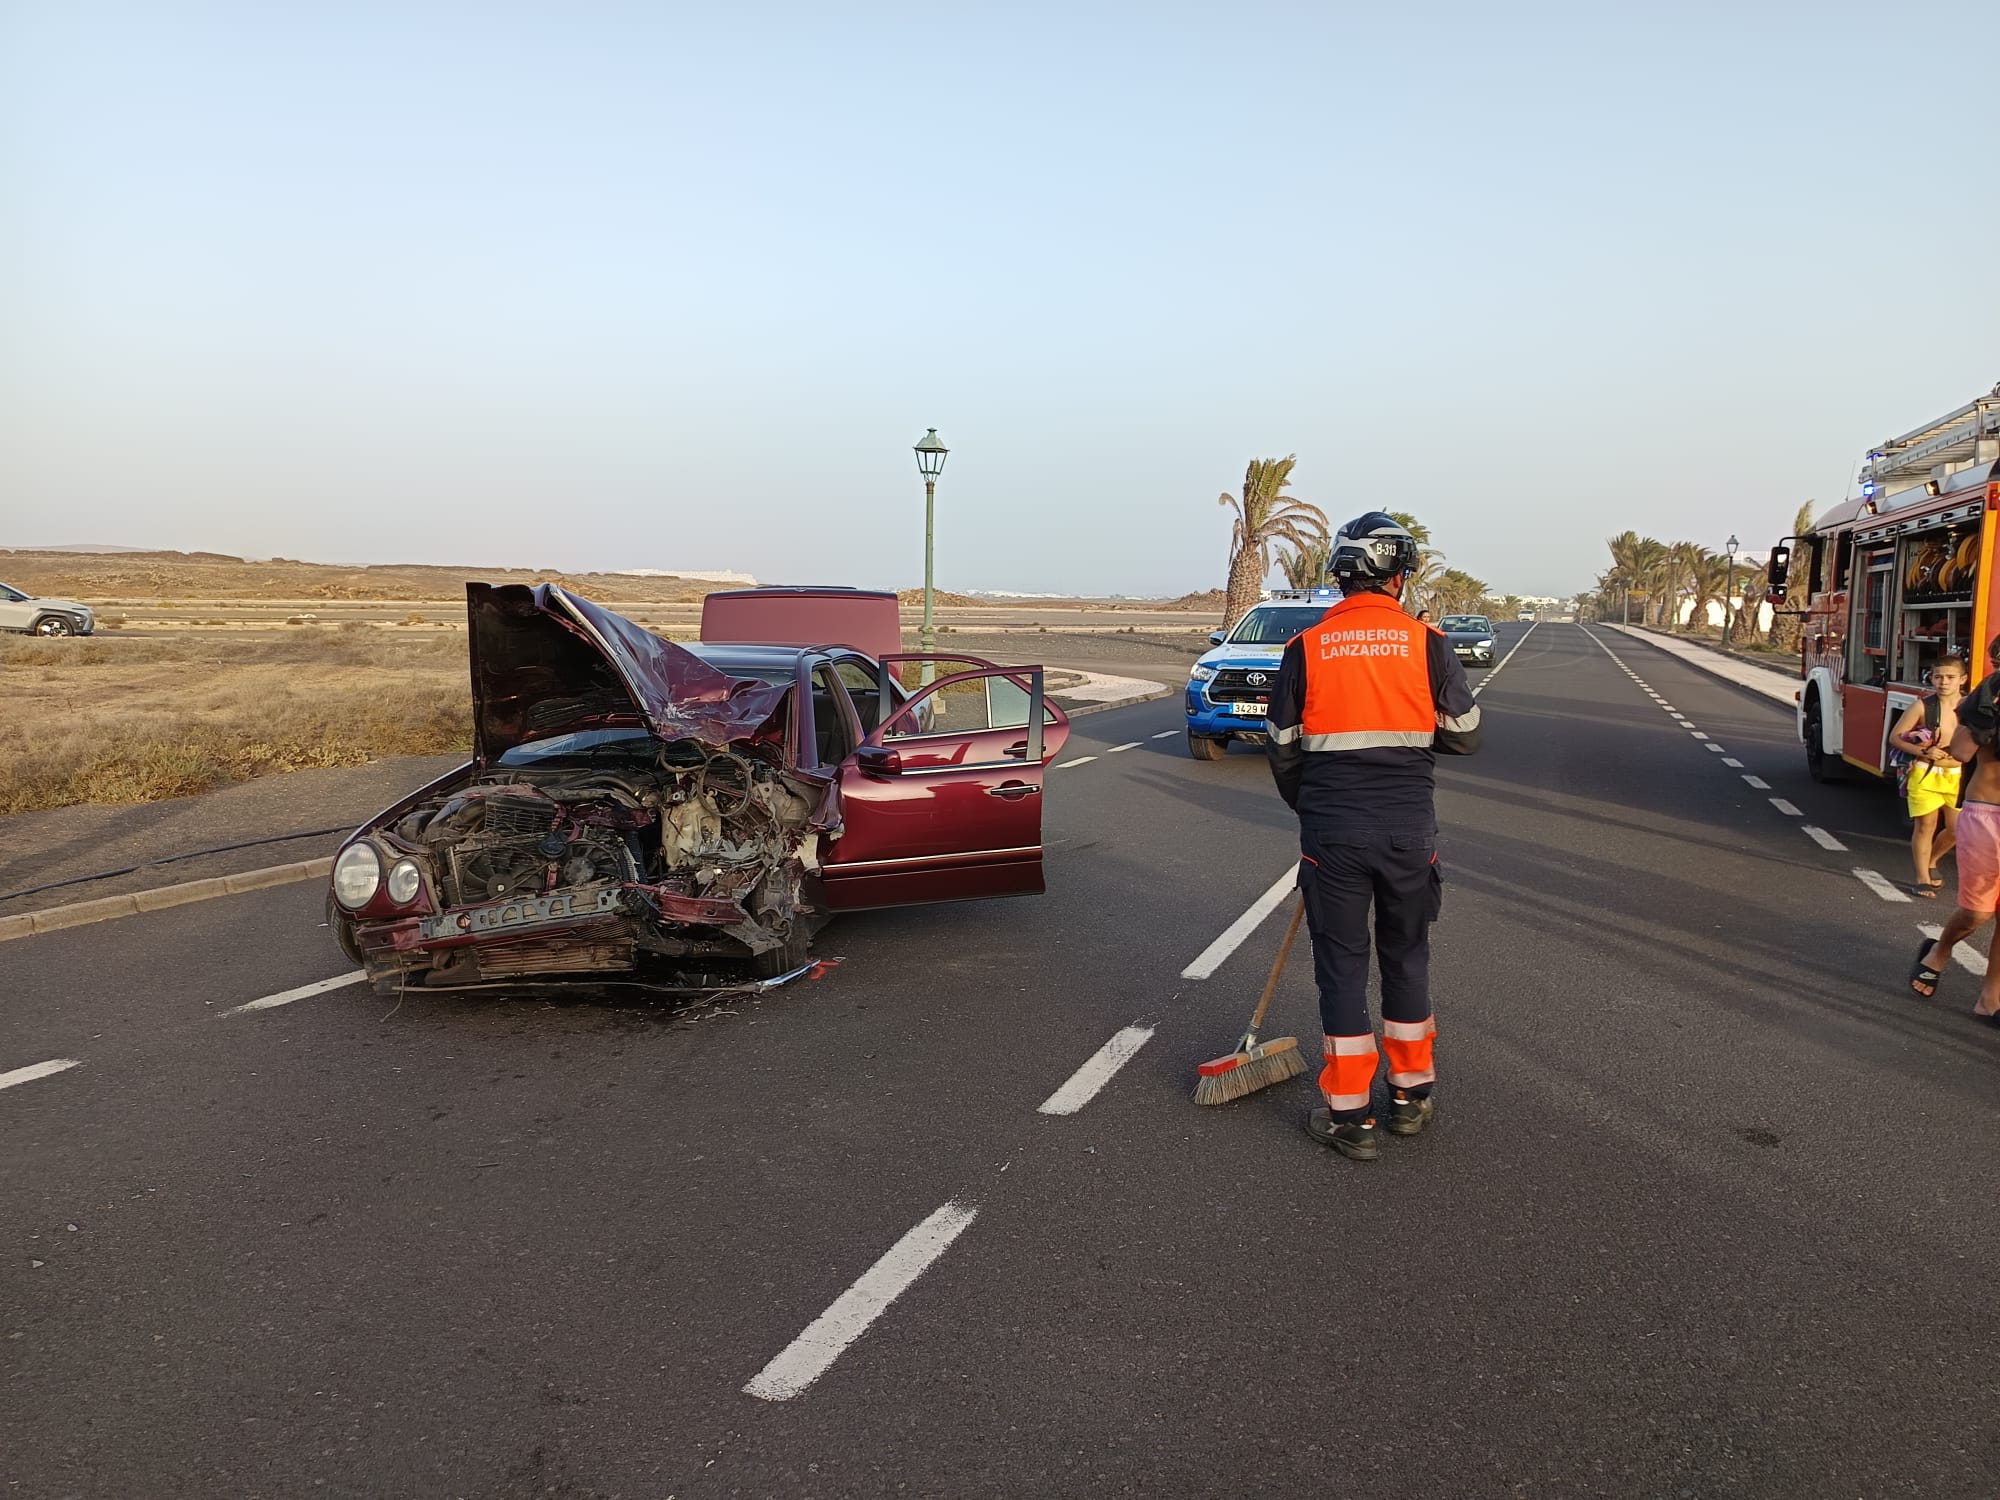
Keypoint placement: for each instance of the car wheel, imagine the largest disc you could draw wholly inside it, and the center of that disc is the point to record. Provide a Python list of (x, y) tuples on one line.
[(53, 625), (1819, 765), (1207, 747), (794, 953), (343, 931)]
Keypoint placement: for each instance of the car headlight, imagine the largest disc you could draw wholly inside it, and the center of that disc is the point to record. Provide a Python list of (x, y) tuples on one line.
[(404, 882), (357, 875), (1200, 673), (1487, 642)]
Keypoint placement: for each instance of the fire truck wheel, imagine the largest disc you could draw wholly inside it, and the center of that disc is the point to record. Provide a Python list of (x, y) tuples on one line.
[(1819, 765)]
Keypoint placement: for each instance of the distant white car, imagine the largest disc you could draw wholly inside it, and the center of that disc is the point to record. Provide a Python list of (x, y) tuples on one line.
[(1526, 614), (24, 614)]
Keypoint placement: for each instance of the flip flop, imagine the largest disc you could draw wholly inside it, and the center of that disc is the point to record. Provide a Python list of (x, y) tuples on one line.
[(1922, 975), (1991, 1018), (1926, 890)]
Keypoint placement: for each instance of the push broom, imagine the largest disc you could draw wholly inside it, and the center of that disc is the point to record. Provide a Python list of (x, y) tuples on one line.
[(1255, 1065)]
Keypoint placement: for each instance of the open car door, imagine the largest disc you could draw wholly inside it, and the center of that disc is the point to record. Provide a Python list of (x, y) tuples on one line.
[(943, 801)]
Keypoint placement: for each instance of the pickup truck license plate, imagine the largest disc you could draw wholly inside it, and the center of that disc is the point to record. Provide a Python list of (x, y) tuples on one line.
[(1251, 710), (528, 911)]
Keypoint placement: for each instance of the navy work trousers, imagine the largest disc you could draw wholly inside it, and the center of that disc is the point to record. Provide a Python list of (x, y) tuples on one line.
[(1344, 876)]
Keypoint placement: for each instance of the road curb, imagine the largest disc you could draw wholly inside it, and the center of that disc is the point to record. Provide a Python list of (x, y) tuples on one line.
[(159, 898), (1084, 709)]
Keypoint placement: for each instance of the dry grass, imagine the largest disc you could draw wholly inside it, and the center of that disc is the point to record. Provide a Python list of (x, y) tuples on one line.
[(138, 720)]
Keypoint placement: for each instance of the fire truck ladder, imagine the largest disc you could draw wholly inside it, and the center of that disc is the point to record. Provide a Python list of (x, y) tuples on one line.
[(1966, 436)]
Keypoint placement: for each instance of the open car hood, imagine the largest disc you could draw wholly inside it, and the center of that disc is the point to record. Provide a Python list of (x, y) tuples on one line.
[(545, 662)]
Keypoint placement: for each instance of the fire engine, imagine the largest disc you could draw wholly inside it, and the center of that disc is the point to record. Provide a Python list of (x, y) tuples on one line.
[(1897, 576)]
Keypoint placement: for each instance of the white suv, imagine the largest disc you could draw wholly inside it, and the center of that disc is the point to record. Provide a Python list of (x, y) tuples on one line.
[(27, 615)]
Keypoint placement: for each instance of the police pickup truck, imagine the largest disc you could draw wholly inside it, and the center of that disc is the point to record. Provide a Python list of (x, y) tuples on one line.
[(1229, 689)]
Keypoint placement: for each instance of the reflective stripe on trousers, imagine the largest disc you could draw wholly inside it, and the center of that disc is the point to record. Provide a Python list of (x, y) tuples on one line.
[(1408, 1044), (1349, 1073)]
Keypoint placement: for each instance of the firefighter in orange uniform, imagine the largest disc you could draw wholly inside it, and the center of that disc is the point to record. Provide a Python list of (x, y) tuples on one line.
[(1365, 702)]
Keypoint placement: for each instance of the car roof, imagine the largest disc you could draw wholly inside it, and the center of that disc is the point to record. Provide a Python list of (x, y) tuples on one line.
[(727, 656)]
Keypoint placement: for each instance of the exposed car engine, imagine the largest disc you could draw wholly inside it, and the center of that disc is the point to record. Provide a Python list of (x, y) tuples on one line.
[(660, 823)]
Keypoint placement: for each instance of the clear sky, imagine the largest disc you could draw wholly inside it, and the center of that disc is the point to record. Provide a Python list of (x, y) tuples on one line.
[(653, 285)]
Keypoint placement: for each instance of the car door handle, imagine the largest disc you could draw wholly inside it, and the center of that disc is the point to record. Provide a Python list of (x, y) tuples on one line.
[(1019, 750), (1013, 791)]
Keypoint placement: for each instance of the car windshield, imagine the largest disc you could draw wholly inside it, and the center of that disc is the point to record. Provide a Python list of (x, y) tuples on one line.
[(582, 742), (1463, 623), (12, 596), (1273, 625)]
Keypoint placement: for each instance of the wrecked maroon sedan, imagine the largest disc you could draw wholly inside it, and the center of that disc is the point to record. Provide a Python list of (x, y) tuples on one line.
[(637, 809)]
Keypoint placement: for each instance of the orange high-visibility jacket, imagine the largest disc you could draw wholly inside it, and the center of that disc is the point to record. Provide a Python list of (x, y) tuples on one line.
[(1364, 701)]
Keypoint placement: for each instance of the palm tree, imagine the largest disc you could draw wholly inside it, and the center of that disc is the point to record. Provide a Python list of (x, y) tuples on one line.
[(1264, 514), (1422, 583), (1305, 567), (1458, 592), (1709, 583)]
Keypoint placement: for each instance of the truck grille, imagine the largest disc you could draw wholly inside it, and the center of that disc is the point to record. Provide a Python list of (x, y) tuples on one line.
[(1233, 685)]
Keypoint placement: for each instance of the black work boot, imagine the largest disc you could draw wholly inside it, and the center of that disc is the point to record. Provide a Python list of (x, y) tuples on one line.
[(1354, 1139), (1409, 1116)]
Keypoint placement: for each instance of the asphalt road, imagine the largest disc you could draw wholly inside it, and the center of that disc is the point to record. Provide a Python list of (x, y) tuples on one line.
[(1706, 1211)]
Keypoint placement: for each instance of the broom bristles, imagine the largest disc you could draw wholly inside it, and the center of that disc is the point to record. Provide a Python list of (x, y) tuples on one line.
[(1276, 1061)]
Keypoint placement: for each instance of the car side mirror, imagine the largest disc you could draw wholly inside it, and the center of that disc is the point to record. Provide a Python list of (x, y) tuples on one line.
[(1215, 638), (878, 760)]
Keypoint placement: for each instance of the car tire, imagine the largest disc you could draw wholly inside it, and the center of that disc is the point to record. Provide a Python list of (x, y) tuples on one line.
[(54, 625), (794, 953), (1207, 746), (1819, 765), (342, 928)]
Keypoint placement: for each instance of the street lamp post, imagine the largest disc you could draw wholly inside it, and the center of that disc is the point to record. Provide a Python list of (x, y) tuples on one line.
[(930, 464), (1728, 595)]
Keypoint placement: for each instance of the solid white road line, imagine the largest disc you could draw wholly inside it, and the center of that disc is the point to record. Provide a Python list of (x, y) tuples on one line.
[(1824, 839), (1081, 760), (1128, 745), (38, 1070), (1084, 1083), (1734, 765), (808, 1356), (1166, 734), (1487, 681), (1213, 955), (1968, 958), (1757, 781), (303, 992), (1785, 807), (1880, 886)]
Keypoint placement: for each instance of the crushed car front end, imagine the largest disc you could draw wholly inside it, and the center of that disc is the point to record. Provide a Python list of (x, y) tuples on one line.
[(626, 803)]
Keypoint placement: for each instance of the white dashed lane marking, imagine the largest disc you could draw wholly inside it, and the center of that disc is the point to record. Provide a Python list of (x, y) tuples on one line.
[(1787, 808), (1128, 745), (303, 992), (1081, 760), (1734, 765), (1757, 781), (1232, 937), (1876, 883), (1166, 734), (1821, 837), (1102, 1066), (808, 1356), (1711, 745), (38, 1070)]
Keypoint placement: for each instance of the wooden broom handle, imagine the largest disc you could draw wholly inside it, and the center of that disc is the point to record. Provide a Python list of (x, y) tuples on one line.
[(1284, 952)]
